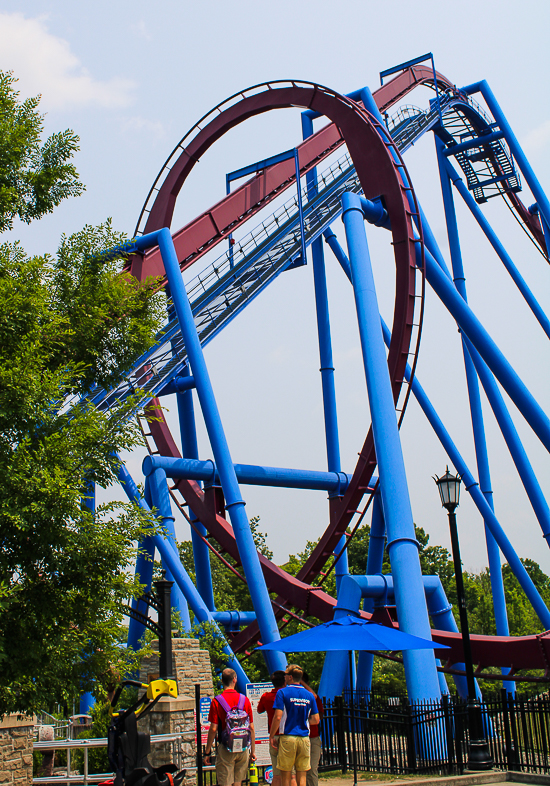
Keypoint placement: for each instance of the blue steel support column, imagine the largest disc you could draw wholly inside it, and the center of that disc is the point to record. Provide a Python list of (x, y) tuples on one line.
[(515, 446), (327, 366), (491, 354), (160, 498), (446, 166), (181, 577), (144, 574), (496, 400), (375, 558), (323, 329), (472, 487), (482, 458), (377, 542), (189, 449), (234, 502), (470, 483), (420, 668), (513, 144)]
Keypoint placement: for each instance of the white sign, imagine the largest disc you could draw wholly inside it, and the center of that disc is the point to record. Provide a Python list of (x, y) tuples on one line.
[(254, 692)]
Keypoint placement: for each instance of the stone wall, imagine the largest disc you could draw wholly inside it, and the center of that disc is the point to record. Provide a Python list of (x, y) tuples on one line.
[(16, 740), (172, 716), (190, 666)]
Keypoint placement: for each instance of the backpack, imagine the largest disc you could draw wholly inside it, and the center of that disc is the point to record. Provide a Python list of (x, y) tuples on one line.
[(236, 734)]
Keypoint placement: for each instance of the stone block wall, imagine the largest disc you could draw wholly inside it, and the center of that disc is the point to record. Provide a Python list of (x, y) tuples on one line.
[(16, 740), (190, 665), (172, 716)]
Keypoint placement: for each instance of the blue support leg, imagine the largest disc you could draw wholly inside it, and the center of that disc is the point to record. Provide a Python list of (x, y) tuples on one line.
[(144, 574), (492, 237), (234, 502), (496, 400), (189, 449), (181, 577), (160, 498), (420, 668), (470, 484), (375, 559), (482, 458)]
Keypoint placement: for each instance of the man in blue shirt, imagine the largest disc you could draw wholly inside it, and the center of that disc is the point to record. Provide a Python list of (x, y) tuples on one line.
[(295, 709)]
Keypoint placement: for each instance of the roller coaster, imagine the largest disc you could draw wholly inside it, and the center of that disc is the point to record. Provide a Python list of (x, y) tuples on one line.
[(352, 168)]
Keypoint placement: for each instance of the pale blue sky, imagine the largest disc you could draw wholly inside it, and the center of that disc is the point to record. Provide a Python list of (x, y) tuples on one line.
[(131, 78)]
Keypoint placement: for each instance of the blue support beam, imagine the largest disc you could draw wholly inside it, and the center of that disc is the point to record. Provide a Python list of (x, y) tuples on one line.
[(420, 668), (483, 139), (470, 483), (375, 559), (478, 427), (380, 590), (234, 502), (491, 235), (190, 449), (496, 401), (180, 575), (491, 354), (326, 359), (334, 482), (160, 498)]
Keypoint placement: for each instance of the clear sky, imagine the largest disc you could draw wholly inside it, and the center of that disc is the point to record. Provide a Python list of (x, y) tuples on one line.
[(131, 78)]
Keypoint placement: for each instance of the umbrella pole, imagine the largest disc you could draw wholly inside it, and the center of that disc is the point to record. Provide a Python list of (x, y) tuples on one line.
[(352, 719)]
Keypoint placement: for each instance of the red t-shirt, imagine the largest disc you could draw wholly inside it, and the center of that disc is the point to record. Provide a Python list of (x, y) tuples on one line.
[(314, 730), (217, 713), (266, 705)]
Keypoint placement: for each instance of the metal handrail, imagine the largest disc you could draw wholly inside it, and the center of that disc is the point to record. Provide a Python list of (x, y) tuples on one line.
[(86, 744)]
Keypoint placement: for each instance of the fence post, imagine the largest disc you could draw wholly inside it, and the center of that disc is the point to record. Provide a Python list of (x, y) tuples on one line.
[(364, 716), (198, 732), (411, 748), (514, 747), (448, 732), (340, 733), (506, 724)]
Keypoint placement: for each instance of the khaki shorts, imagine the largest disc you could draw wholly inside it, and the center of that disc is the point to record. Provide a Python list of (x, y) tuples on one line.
[(273, 752), (231, 767), (293, 752)]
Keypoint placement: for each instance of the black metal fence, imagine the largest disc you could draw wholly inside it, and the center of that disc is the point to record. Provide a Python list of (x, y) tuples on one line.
[(381, 734)]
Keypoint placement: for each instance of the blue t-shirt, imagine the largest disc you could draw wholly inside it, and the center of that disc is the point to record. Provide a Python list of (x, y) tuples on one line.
[(297, 705)]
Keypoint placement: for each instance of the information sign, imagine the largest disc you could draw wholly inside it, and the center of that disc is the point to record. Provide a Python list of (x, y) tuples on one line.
[(254, 691)]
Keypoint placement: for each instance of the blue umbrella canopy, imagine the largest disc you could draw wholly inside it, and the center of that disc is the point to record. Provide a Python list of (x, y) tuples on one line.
[(351, 633)]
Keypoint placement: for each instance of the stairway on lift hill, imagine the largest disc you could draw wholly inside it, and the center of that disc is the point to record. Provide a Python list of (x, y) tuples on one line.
[(226, 286)]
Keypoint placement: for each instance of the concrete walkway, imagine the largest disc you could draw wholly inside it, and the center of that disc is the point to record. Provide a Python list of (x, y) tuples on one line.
[(495, 778)]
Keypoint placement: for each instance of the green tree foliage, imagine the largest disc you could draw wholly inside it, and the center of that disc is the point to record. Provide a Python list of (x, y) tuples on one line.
[(34, 177), (63, 571), (67, 323)]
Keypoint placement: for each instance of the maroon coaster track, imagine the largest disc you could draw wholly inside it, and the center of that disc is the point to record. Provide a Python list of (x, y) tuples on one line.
[(379, 176)]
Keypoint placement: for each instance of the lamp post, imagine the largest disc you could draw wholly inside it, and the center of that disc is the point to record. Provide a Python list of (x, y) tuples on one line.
[(479, 756)]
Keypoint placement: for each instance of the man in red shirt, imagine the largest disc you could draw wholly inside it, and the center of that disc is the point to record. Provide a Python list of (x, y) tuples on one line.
[(231, 768), (266, 705)]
